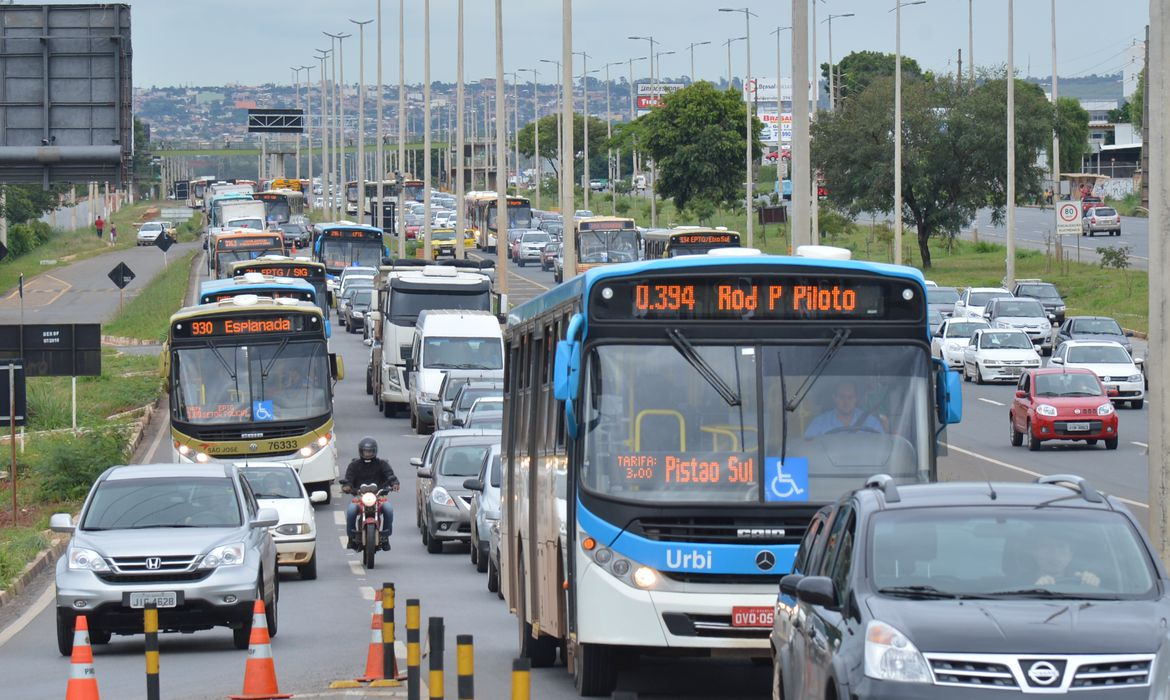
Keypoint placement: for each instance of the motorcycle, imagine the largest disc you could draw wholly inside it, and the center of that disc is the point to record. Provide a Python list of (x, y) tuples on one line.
[(368, 521)]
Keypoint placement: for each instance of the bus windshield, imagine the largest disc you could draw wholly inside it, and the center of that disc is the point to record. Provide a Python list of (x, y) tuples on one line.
[(518, 217), (668, 426), (607, 246), (338, 254), (413, 192), (219, 384)]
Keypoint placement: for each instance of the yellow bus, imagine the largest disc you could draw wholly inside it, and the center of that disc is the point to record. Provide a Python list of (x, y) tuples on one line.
[(603, 240), (686, 240)]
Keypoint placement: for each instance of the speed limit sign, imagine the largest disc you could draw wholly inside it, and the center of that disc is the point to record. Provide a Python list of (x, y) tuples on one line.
[(1068, 219)]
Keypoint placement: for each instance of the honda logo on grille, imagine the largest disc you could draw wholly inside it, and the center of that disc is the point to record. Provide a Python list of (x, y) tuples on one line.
[(154, 563), (759, 533)]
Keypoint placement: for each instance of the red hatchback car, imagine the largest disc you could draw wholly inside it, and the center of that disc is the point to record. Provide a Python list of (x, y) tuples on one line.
[(1062, 404)]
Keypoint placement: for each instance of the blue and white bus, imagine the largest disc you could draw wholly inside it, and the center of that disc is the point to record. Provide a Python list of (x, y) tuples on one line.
[(261, 285), (671, 427), (342, 245)]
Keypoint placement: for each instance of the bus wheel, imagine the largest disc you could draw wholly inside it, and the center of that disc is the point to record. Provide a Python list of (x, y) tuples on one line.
[(595, 670)]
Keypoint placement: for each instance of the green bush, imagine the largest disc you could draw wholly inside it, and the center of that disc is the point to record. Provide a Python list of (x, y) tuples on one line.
[(834, 224), (987, 247), (67, 465), (16, 550), (25, 237)]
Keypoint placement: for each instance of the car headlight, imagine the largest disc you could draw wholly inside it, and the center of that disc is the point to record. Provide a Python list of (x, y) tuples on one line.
[(86, 560), (1105, 409), (990, 363), (1134, 378), (954, 346), (890, 656), (293, 529), (226, 555), (440, 497), (1046, 410)]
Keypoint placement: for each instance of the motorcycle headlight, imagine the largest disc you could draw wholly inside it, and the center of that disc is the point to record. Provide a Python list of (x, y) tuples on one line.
[(369, 499), (226, 555), (1105, 409), (86, 560), (440, 497), (890, 656), (293, 529), (1046, 410)]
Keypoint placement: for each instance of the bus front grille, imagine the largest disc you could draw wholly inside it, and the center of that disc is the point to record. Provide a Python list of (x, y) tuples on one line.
[(721, 530)]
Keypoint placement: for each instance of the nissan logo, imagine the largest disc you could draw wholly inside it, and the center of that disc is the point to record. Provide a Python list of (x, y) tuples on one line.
[(765, 560), (154, 563), (1043, 673)]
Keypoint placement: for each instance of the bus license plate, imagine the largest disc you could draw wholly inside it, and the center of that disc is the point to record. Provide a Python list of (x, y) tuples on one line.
[(742, 616), (161, 599), (1078, 427)]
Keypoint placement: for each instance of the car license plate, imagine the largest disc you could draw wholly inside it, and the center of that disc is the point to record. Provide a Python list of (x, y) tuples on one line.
[(1077, 427), (742, 616), (161, 599), (1012, 370)]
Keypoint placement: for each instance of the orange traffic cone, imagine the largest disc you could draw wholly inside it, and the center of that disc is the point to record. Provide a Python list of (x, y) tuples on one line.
[(82, 679), (260, 672), (374, 656)]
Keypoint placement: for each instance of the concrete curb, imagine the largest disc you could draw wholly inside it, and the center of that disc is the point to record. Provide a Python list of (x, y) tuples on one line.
[(1137, 334), (45, 559)]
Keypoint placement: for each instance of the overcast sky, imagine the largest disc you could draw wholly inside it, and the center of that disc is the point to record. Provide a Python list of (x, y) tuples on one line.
[(213, 42)]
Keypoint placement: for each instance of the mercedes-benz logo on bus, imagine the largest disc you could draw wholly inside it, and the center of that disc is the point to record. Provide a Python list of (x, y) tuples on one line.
[(765, 560), (1043, 673)]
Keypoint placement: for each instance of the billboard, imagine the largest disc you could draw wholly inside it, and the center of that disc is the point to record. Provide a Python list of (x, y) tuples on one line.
[(764, 90), (650, 95), (65, 93), (777, 126)]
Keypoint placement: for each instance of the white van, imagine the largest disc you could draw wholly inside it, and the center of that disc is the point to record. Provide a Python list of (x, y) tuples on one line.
[(449, 340)]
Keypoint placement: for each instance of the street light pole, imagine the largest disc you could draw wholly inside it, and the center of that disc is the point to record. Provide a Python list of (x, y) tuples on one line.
[(361, 158), (654, 97), (380, 154), (401, 169), (633, 116), (1055, 132), (560, 121), (1009, 278), (502, 220), (691, 48), (800, 175), (427, 246), (569, 231), (331, 189), (535, 127), (971, 41), (748, 118), (324, 134), (585, 123), (898, 4), (780, 111), (728, 45), (308, 130), (832, 69), (460, 140), (297, 86), (608, 139)]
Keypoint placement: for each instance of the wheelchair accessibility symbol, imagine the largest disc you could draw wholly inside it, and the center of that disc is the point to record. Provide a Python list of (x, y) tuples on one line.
[(788, 481), (262, 410)]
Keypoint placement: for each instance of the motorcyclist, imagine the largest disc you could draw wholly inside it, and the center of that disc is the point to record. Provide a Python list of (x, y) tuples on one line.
[(369, 469)]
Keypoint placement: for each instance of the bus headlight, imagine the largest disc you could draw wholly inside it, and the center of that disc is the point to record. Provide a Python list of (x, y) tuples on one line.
[(645, 577), (201, 458), (316, 446), (183, 449)]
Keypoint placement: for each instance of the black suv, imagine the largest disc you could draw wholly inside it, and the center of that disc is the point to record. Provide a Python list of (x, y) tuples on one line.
[(1045, 293), (971, 590)]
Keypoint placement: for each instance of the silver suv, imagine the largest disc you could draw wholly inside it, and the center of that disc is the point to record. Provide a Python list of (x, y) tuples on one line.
[(1101, 219), (189, 538)]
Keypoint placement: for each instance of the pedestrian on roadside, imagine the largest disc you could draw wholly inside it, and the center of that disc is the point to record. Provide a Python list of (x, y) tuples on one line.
[(113, 234), (100, 225)]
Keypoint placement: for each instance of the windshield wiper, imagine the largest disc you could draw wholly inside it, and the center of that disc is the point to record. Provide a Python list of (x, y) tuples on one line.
[(920, 591), (839, 338), (701, 366), (1047, 593)]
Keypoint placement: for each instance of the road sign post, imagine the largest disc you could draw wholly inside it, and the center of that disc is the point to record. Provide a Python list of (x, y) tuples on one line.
[(121, 276), (164, 243), (1068, 219)]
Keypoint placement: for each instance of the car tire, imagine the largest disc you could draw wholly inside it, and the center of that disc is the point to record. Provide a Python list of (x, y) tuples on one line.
[(979, 375), (482, 558), (271, 612), (1017, 437), (370, 381), (388, 408), (1111, 443), (1033, 441), (1137, 404), (308, 570), (64, 633), (414, 418), (434, 544), (99, 636), (242, 635), (966, 374), (520, 263), (493, 577), (473, 551)]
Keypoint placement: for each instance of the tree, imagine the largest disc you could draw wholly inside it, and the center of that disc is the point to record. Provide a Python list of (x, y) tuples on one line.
[(696, 138), (1137, 101), (954, 151), (25, 202), (549, 146), (856, 71), (1072, 124)]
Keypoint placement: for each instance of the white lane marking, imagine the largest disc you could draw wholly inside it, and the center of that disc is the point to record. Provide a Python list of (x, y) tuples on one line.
[(1029, 472), (1140, 444), (367, 592), (338, 518), (344, 540), (356, 568), (990, 401), (29, 615)]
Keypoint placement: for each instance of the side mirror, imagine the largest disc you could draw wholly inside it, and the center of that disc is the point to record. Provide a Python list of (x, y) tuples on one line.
[(788, 584), (1020, 393), (337, 366), (473, 485), (949, 391), (407, 353), (267, 517), (458, 422), (318, 497), (1056, 361), (987, 315), (817, 590), (423, 473), (61, 522), (416, 462), (409, 364)]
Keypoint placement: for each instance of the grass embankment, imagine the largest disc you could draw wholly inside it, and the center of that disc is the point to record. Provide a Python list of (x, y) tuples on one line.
[(56, 469), (1129, 205), (145, 317)]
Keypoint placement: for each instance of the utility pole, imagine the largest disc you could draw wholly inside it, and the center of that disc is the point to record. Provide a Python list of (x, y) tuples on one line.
[(1158, 105), (585, 122), (971, 42), (361, 136), (1009, 278), (502, 219), (569, 231), (326, 152), (460, 140), (535, 128), (691, 48), (401, 171), (748, 126), (380, 171), (1055, 132), (308, 131), (427, 249), (780, 112), (608, 138), (801, 205)]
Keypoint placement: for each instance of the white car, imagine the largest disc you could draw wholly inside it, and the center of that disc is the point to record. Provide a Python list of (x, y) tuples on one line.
[(277, 486), (972, 301), (998, 355), (951, 339), (1108, 359), (150, 232), (1023, 314)]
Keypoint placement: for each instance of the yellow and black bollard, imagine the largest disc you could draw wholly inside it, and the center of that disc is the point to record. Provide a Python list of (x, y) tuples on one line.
[(465, 666), (521, 679), (150, 626), (389, 655), (435, 642), (413, 652)]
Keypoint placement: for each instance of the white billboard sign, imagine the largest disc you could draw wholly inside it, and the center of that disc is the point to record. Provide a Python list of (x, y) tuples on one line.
[(777, 126)]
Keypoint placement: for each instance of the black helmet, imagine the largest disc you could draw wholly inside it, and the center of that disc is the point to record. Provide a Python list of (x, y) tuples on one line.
[(368, 449)]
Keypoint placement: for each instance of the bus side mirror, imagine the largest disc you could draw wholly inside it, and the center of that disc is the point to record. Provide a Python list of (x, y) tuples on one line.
[(949, 390), (336, 366), (566, 370)]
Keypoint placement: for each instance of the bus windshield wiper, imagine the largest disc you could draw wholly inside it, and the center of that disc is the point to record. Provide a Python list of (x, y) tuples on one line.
[(839, 339), (701, 366)]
